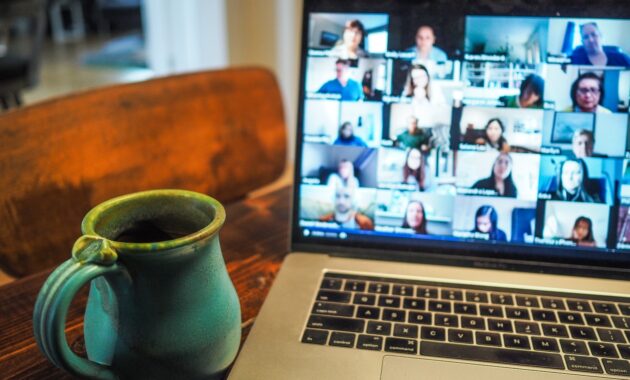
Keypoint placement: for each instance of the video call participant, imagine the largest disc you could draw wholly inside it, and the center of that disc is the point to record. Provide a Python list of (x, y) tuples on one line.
[(592, 51), (571, 179), (349, 46), (582, 233), (486, 222), (425, 48), (415, 217), (346, 136), (345, 213), (587, 94), (344, 176), (500, 179), (349, 89), (531, 94), (418, 87), (414, 136), (493, 136), (582, 143), (414, 171)]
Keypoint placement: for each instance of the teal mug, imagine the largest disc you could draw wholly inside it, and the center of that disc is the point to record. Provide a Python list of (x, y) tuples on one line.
[(161, 304)]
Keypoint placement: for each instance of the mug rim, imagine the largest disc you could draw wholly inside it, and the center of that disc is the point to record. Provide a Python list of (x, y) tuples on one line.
[(90, 220)]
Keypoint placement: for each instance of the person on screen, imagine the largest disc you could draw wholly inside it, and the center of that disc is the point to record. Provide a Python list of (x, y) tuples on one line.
[(425, 48), (349, 46), (493, 136), (531, 95), (415, 217), (500, 179), (572, 175), (414, 136), (344, 176), (587, 94), (349, 89), (415, 170), (582, 233), (582, 143), (346, 136), (592, 52), (345, 213), (486, 222)]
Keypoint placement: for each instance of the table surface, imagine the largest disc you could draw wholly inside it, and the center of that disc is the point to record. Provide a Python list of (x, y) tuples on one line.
[(254, 241)]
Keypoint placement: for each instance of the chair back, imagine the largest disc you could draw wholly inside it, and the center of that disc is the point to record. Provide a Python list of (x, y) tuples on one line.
[(217, 132)]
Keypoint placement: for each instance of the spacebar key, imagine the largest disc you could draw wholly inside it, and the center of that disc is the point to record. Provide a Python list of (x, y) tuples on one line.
[(492, 355)]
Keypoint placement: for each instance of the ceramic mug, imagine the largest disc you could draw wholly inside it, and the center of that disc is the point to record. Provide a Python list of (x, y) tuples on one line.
[(161, 304)]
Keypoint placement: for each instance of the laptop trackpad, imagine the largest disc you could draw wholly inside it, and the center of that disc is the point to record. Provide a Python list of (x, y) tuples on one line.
[(405, 368)]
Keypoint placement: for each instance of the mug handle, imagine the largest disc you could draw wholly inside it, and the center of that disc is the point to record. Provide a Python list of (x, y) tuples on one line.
[(92, 257)]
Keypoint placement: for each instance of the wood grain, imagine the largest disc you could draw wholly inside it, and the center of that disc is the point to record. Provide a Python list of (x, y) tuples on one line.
[(254, 241), (219, 132)]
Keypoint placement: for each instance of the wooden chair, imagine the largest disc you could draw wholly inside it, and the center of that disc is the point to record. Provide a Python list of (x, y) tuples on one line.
[(218, 132)]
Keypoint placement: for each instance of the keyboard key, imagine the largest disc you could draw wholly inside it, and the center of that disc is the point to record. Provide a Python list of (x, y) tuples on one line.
[(473, 323), (379, 288), (401, 345), (479, 297), (529, 328), (368, 312), (414, 303), (380, 328), (354, 286), (460, 336), (336, 323), (448, 320), (616, 367), (552, 303), (432, 333), (579, 305), (605, 308), (389, 301), (621, 322), (492, 355), (612, 336), (331, 283), (606, 350), (465, 308), (426, 292), (440, 306), (527, 301), (570, 318), (582, 333), (364, 299), (394, 315), (573, 347), (500, 325), (491, 311), (583, 364), (516, 313), (406, 331), (557, 331), (544, 316), (370, 342), (328, 308), (516, 341), (402, 290), (419, 318), (625, 309), (501, 299), (452, 295), (597, 320), (315, 336), (340, 339), (545, 344), (624, 350), (333, 296), (488, 339)]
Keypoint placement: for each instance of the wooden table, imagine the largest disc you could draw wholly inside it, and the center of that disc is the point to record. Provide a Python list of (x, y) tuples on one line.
[(254, 242)]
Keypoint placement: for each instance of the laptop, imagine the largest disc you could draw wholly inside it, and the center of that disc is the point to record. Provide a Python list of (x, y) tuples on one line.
[(461, 203)]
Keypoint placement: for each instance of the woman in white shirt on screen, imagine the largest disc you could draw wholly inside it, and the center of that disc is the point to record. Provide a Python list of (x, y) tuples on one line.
[(344, 176), (427, 101)]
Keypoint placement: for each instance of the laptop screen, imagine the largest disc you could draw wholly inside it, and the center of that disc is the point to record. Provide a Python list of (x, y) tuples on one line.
[(465, 130)]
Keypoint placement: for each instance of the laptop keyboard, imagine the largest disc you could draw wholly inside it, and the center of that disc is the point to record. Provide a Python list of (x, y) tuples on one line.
[(530, 328)]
